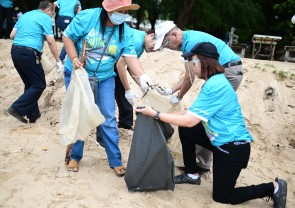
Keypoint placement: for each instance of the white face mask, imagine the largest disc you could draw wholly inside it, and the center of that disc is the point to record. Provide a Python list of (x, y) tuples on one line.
[(118, 18)]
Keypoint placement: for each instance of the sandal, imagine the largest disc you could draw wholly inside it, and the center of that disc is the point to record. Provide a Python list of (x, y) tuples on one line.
[(120, 171), (73, 166)]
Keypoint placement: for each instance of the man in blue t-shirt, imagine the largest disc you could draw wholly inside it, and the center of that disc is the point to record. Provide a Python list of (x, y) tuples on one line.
[(28, 39), (67, 10), (6, 12)]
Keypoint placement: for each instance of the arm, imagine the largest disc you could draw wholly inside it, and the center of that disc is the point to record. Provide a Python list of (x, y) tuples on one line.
[(12, 34), (186, 83), (52, 45), (121, 65), (72, 52), (134, 66), (179, 119)]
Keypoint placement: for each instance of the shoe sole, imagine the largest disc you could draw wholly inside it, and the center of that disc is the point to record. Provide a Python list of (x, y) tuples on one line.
[(283, 187)]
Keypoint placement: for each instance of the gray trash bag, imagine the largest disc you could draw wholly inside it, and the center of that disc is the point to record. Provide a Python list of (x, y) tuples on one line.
[(150, 164)]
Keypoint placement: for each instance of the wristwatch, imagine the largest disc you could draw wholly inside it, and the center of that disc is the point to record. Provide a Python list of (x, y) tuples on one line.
[(157, 116)]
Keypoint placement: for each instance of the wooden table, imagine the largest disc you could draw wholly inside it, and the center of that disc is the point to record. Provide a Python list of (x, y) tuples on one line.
[(264, 42)]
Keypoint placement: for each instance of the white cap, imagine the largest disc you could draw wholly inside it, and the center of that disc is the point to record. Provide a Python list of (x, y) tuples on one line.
[(161, 30), (293, 19)]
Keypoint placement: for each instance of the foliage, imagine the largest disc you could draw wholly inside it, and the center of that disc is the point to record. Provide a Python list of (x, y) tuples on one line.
[(249, 17)]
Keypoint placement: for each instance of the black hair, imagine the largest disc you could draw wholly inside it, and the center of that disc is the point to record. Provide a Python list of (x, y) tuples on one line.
[(45, 5), (150, 32), (103, 19)]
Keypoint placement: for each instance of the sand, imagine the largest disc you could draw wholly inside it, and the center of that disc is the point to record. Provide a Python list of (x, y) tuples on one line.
[(32, 170)]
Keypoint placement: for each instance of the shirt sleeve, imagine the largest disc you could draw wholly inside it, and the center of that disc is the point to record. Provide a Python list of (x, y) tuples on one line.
[(209, 101), (128, 48), (82, 24), (47, 26)]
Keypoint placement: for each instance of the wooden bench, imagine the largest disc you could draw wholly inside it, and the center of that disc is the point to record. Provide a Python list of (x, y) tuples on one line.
[(266, 46), (289, 54)]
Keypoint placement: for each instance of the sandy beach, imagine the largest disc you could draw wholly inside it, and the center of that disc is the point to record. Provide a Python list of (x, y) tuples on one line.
[(32, 170)]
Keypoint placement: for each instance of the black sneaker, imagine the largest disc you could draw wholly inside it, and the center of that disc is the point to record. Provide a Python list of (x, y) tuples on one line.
[(15, 114), (184, 178), (34, 119), (280, 198), (99, 141)]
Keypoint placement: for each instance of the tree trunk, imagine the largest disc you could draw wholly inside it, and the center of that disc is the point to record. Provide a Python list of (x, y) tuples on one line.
[(184, 13), (153, 16)]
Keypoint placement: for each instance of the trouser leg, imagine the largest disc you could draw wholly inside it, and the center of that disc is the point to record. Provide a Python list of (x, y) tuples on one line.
[(189, 138), (124, 107), (109, 130), (228, 161), (9, 22), (33, 76)]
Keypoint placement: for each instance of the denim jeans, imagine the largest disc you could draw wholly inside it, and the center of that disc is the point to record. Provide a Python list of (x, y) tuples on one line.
[(109, 130), (62, 22)]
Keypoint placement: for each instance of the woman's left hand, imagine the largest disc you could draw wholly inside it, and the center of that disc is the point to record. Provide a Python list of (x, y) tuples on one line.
[(146, 110)]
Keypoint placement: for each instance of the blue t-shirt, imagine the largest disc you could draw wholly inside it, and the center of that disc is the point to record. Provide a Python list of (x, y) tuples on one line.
[(31, 29), (6, 3), (191, 38), (66, 7), (218, 107), (86, 26), (138, 36)]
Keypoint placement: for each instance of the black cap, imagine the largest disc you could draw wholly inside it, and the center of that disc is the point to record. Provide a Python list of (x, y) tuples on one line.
[(203, 48)]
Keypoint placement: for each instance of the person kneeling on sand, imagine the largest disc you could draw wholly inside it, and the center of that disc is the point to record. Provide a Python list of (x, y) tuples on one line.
[(223, 132)]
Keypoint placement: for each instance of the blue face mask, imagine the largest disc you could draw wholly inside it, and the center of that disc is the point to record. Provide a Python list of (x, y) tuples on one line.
[(118, 18)]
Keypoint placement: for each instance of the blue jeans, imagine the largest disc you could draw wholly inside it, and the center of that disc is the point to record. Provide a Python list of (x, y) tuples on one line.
[(109, 130), (62, 22)]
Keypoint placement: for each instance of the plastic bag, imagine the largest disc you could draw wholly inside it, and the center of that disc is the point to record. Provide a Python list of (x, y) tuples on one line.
[(79, 113), (162, 104), (47, 65), (150, 164)]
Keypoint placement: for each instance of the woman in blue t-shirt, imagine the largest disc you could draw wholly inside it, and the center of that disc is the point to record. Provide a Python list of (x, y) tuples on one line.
[(107, 38), (223, 132)]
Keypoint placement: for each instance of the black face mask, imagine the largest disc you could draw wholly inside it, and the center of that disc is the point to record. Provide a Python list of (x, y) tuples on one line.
[(17, 11)]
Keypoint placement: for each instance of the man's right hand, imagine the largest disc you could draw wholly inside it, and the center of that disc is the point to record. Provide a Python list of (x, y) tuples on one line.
[(164, 90)]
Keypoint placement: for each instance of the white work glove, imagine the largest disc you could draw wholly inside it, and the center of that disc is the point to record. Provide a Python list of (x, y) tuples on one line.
[(129, 95), (174, 100), (293, 19), (59, 66), (164, 90), (145, 82)]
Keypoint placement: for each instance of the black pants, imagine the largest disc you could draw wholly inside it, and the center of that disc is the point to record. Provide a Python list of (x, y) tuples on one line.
[(6, 13), (28, 65), (125, 108), (228, 161)]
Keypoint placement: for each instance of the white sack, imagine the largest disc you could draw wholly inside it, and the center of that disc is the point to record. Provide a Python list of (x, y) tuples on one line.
[(79, 114)]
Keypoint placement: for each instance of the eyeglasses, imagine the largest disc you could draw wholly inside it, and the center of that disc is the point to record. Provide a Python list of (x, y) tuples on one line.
[(166, 43)]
